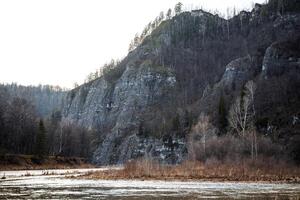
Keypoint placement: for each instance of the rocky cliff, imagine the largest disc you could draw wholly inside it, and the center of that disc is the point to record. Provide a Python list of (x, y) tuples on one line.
[(116, 109), (181, 70)]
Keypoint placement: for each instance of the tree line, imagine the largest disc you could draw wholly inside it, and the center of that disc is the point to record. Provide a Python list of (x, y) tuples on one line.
[(151, 26), (24, 131), (111, 67), (45, 98)]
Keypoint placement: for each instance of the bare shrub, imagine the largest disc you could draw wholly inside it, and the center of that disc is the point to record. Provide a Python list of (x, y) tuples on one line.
[(241, 117), (267, 148), (263, 169), (200, 134), (231, 148), (224, 147)]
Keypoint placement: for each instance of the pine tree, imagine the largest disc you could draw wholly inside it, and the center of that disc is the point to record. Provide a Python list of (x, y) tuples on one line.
[(161, 16), (178, 8), (222, 115), (169, 14), (176, 123), (280, 7), (40, 146)]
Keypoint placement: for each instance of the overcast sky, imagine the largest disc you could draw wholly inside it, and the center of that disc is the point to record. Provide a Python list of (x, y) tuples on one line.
[(59, 42)]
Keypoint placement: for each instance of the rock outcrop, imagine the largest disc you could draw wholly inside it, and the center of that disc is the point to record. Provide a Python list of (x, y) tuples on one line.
[(118, 107), (282, 57), (167, 75)]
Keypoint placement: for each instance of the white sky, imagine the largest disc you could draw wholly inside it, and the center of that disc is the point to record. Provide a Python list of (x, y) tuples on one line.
[(59, 42)]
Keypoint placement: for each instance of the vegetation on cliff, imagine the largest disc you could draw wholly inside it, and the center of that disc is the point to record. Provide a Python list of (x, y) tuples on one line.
[(231, 96)]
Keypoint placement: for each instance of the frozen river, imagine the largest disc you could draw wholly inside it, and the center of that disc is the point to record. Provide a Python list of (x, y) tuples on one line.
[(52, 184)]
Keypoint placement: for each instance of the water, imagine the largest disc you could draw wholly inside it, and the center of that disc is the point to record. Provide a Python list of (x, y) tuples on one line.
[(36, 184)]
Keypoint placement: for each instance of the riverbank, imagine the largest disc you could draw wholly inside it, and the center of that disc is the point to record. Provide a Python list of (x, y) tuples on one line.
[(246, 171), (28, 162)]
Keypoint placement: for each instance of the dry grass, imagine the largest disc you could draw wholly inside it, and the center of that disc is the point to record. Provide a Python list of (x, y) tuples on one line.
[(28, 162), (262, 170)]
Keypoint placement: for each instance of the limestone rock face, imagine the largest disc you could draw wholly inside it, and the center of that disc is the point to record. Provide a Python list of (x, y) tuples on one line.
[(196, 66), (83, 105), (237, 73), (281, 57), (137, 90), (117, 107)]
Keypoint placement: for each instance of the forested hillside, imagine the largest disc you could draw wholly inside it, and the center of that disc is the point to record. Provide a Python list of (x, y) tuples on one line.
[(31, 123), (45, 98), (198, 85)]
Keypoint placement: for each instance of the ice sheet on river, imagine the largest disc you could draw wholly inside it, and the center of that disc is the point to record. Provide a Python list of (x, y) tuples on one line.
[(58, 187)]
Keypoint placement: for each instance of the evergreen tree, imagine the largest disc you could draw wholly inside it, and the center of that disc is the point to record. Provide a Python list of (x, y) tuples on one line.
[(187, 121), (161, 16), (178, 8), (222, 115), (169, 14), (176, 123), (141, 129), (40, 147)]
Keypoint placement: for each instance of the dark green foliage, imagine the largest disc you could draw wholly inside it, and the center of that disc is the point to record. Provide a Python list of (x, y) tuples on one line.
[(3, 106), (40, 144), (56, 117), (222, 114), (113, 71), (176, 123), (178, 8), (278, 98), (280, 7), (143, 132), (169, 14), (291, 5), (72, 94), (21, 134), (261, 122), (187, 121), (83, 94), (20, 126), (294, 148)]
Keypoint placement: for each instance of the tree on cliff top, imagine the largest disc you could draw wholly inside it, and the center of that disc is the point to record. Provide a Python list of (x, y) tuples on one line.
[(178, 8)]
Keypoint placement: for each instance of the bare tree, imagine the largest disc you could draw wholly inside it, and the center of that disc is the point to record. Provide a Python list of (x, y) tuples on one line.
[(241, 115), (238, 115), (241, 112), (251, 88)]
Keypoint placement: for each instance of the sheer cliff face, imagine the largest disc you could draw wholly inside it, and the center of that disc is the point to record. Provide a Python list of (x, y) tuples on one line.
[(116, 109), (118, 105), (168, 73)]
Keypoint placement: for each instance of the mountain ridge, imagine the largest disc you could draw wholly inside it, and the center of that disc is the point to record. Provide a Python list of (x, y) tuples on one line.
[(153, 88)]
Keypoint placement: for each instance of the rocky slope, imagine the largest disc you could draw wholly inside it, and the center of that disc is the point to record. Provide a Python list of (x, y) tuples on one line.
[(181, 70)]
